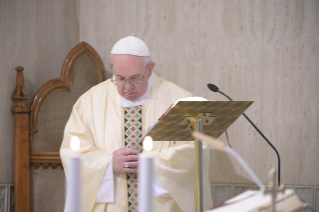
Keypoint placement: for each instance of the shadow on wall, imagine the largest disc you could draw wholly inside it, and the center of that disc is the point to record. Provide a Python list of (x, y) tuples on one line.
[(30, 88), (222, 169)]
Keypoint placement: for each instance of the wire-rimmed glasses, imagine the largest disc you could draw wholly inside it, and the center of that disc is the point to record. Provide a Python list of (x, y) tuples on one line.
[(122, 81)]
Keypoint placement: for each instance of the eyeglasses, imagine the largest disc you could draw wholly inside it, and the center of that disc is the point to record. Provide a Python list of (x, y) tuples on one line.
[(120, 81)]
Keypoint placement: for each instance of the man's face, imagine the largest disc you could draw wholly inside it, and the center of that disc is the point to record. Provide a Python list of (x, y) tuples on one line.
[(130, 67)]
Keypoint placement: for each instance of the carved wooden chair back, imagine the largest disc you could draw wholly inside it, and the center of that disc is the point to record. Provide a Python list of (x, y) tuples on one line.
[(38, 130)]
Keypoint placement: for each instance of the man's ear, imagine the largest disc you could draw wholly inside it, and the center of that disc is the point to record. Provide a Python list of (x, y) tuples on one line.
[(150, 68)]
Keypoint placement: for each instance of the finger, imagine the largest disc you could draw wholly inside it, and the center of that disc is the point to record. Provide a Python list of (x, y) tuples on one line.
[(129, 170), (118, 151), (130, 151), (131, 164), (131, 158)]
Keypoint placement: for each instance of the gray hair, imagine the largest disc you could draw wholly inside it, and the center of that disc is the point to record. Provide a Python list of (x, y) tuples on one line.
[(147, 60)]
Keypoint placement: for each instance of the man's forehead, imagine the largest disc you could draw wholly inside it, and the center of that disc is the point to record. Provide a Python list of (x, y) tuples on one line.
[(127, 62), (128, 67)]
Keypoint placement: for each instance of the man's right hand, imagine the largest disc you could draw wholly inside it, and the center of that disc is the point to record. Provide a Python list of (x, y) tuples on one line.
[(125, 156)]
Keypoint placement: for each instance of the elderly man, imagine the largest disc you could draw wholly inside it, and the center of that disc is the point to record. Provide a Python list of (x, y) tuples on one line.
[(109, 120)]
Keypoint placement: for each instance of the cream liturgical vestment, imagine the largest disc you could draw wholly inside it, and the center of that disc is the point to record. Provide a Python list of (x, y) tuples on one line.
[(98, 118)]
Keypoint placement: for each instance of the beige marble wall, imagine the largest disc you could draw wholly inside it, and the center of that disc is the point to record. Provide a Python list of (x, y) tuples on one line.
[(37, 35), (265, 51)]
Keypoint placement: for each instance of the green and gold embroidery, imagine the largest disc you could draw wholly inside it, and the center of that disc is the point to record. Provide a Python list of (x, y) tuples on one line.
[(133, 119)]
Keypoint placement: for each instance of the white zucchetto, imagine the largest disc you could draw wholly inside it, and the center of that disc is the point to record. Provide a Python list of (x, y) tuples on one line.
[(130, 45)]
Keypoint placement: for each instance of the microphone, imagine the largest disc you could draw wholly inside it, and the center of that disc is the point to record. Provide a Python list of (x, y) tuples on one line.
[(214, 88)]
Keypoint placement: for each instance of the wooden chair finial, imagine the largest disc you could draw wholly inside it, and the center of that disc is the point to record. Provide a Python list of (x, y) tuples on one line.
[(19, 68), (19, 95)]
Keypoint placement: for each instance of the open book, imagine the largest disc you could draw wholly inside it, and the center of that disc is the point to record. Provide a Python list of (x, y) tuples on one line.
[(258, 201)]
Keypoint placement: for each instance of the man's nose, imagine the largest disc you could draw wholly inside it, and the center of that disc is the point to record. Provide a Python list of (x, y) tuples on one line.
[(127, 85)]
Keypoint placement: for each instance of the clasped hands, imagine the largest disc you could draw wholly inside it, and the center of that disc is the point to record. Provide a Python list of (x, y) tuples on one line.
[(125, 160)]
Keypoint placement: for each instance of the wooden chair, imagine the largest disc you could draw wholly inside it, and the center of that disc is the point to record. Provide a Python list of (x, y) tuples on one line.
[(38, 130)]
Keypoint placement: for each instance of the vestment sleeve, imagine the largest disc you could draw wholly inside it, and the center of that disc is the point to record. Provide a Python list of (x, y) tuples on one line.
[(94, 162), (174, 169), (106, 190)]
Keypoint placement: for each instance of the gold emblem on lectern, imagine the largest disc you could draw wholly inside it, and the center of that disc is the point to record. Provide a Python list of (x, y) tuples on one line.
[(189, 121)]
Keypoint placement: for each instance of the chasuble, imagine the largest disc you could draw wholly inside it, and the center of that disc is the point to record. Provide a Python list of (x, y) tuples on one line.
[(103, 126)]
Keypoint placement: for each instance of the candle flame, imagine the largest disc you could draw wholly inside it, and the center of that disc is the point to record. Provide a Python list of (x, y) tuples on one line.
[(148, 143), (75, 143)]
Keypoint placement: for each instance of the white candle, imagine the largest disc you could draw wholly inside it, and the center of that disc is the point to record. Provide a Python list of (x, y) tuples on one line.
[(74, 178), (146, 177)]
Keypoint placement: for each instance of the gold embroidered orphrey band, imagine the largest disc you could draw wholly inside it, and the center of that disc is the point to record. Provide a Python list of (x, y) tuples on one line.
[(133, 130)]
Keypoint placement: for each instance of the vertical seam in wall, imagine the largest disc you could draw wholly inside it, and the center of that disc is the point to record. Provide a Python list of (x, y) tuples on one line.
[(262, 65), (137, 35), (79, 8), (25, 32), (198, 90), (262, 78)]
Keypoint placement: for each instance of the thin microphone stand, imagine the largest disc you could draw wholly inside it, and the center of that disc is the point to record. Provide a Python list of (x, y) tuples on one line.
[(272, 146)]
